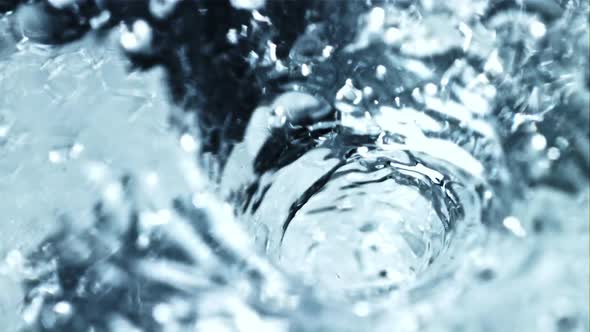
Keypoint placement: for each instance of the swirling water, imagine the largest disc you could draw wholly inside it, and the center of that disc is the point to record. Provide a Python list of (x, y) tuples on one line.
[(408, 167)]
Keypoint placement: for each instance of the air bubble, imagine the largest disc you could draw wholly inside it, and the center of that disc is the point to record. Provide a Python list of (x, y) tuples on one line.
[(188, 143), (537, 29), (138, 39)]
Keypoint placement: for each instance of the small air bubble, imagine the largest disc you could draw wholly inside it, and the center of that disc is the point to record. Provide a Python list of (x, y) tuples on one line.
[(151, 219), (468, 35), (259, 17), (493, 64), (305, 70), (143, 241), (430, 89), (152, 179), (60, 4), (162, 313), (138, 39), (392, 36), (247, 4), (380, 72), (63, 308), (76, 150), (100, 20), (15, 260), (361, 309), (537, 29), (4, 131), (561, 142), (376, 20), (514, 225), (188, 143), (553, 153), (417, 95), (232, 36), (162, 8), (367, 91), (56, 157), (318, 236), (538, 142), (327, 51)]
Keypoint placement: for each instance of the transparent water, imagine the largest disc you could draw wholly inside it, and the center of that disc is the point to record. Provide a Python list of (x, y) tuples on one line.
[(375, 166)]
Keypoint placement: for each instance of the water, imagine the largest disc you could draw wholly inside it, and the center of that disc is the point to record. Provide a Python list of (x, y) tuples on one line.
[(358, 166), (378, 203)]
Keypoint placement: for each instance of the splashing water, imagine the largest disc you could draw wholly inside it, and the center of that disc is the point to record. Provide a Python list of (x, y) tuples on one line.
[(360, 166)]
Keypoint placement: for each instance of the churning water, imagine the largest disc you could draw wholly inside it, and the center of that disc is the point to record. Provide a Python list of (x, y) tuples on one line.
[(340, 166)]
